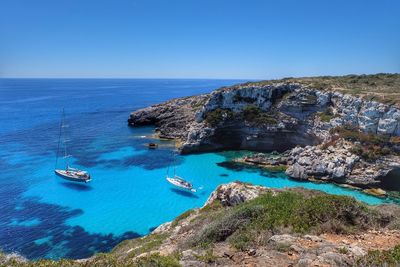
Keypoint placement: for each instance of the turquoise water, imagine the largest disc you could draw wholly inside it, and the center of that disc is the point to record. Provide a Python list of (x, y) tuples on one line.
[(45, 216)]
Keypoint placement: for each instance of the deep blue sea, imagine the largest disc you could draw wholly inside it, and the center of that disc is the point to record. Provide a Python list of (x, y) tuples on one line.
[(42, 215)]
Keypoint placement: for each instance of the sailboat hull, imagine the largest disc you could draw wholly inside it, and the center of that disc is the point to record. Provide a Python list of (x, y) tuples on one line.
[(73, 176), (175, 181)]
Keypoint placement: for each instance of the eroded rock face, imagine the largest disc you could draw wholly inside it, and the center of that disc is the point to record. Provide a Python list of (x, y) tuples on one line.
[(295, 110), (337, 163)]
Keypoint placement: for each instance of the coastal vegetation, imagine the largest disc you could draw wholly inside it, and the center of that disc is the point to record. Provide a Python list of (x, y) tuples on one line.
[(250, 113), (381, 258), (218, 115), (156, 260), (182, 216), (141, 245), (255, 115), (327, 115), (251, 223)]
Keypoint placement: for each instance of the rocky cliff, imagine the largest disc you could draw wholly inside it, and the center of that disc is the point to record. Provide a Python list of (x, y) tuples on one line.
[(264, 117), (280, 116)]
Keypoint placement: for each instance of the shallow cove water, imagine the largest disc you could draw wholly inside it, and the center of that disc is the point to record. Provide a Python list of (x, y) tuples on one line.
[(43, 216)]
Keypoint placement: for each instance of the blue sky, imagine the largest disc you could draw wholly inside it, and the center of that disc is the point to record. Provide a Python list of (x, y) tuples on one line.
[(198, 39)]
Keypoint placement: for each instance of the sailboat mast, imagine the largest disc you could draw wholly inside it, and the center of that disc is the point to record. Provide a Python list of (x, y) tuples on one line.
[(64, 139), (58, 145), (174, 165)]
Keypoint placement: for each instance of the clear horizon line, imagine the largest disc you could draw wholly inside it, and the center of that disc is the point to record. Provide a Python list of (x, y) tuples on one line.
[(132, 78), (183, 78)]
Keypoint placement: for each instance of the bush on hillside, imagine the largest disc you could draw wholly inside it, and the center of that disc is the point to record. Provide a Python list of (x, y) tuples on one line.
[(216, 116), (243, 224), (254, 114)]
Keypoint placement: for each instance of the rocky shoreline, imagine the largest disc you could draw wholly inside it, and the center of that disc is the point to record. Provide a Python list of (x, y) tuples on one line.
[(325, 135)]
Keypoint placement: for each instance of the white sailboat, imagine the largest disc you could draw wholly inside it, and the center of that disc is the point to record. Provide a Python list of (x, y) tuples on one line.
[(69, 173), (179, 181)]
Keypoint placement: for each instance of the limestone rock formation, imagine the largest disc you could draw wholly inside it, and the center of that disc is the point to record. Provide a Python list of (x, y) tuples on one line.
[(338, 163), (288, 114), (280, 117)]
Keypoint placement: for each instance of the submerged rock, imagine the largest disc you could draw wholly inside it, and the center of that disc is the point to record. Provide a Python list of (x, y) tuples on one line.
[(378, 192)]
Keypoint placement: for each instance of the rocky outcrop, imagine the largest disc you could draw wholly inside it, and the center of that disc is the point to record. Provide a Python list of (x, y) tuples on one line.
[(296, 111), (12, 259), (172, 118), (334, 163), (235, 193), (280, 117), (337, 163)]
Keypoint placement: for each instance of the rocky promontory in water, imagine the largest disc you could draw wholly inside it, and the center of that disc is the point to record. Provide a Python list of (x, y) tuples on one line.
[(340, 129)]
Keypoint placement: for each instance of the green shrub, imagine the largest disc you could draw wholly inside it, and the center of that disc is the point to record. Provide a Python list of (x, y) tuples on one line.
[(208, 257), (283, 247), (251, 112), (216, 116), (140, 245), (254, 114), (381, 258), (182, 217), (319, 213), (156, 260), (214, 206), (243, 239), (327, 115), (229, 221), (343, 250)]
